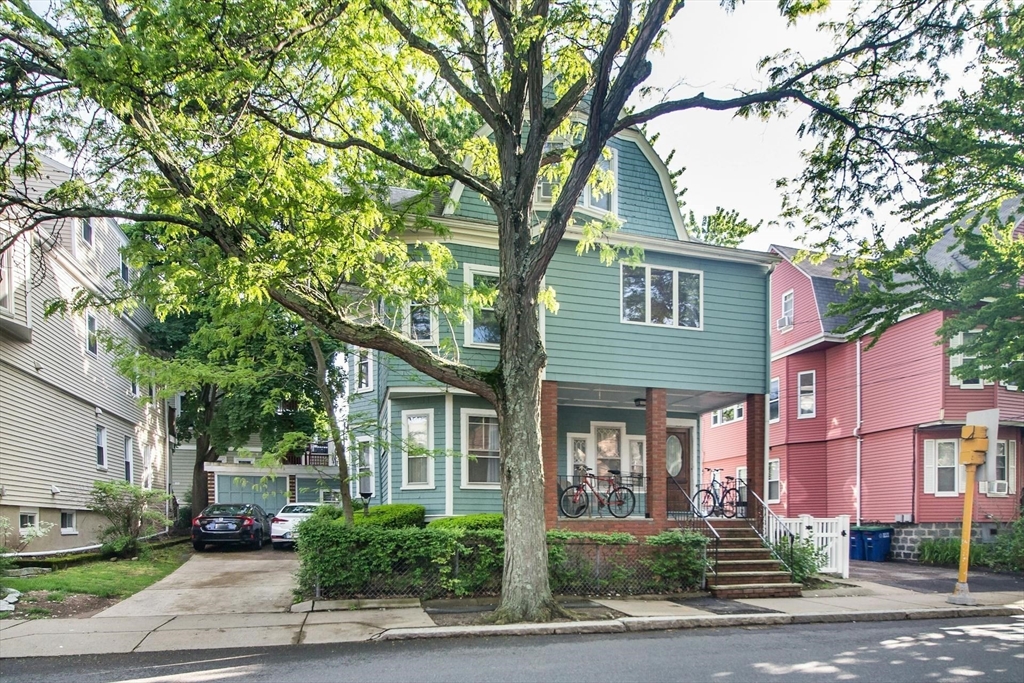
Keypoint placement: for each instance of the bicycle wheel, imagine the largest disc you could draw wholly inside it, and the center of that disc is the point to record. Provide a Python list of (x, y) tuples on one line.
[(574, 501), (730, 499), (621, 502), (704, 503)]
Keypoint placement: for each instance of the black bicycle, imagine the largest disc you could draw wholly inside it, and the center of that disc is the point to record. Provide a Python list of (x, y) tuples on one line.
[(718, 500)]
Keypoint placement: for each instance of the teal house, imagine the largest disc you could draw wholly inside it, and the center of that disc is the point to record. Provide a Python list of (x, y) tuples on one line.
[(636, 352)]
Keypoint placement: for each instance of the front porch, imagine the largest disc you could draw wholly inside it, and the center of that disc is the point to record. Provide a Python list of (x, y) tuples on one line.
[(650, 437)]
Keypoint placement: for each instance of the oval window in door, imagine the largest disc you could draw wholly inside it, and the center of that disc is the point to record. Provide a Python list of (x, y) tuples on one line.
[(673, 455)]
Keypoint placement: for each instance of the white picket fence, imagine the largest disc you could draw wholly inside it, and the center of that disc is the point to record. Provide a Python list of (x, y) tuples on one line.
[(831, 536)]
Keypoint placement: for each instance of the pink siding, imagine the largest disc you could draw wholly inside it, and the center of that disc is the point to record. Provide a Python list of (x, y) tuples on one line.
[(724, 442), (887, 474), (841, 480), (777, 430), (841, 400), (809, 428), (779, 453), (1010, 404), (806, 480), (931, 508), (900, 375), (806, 323)]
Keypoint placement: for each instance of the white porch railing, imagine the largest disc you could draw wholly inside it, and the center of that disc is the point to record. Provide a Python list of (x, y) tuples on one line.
[(831, 535)]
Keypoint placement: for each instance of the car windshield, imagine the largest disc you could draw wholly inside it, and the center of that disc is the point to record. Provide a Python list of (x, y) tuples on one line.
[(214, 510), (298, 510)]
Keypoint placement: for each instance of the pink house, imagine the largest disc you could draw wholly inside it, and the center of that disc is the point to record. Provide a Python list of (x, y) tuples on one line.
[(868, 433)]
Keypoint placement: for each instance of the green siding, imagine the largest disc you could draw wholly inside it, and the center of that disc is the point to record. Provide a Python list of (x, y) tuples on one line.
[(587, 342), (271, 494), (469, 501), (431, 499), (308, 488)]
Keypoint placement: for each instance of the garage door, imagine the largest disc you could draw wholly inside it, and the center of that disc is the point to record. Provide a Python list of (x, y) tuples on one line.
[(271, 495)]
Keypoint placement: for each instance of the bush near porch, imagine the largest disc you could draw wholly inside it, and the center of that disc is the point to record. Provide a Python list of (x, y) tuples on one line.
[(394, 516), (341, 561)]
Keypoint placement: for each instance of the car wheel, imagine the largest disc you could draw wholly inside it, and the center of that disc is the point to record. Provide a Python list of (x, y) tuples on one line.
[(198, 547)]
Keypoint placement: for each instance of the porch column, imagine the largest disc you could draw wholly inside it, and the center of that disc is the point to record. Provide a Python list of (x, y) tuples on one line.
[(656, 472), (549, 449), (755, 421)]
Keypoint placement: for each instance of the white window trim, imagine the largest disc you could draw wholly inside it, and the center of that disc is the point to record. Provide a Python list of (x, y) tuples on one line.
[(955, 493), (28, 511), (738, 410), (639, 488), (782, 311), (464, 415), (741, 476), (146, 481), (406, 486), (321, 492), (356, 481), (543, 203), (101, 434), (814, 394), (1009, 484), (407, 325), (90, 318), (82, 222), (768, 481), (72, 530), (569, 438), (124, 269), (7, 282), (129, 458), (469, 270), (357, 358), (675, 293), (956, 360), (621, 426), (778, 399)]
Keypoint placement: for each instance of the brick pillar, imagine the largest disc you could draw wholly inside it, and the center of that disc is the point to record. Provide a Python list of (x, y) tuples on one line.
[(549, 449), (656, 415), (755, 419), (210, 488)]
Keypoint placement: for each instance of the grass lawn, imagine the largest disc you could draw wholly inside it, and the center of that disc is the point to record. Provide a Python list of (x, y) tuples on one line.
[(104, 578)]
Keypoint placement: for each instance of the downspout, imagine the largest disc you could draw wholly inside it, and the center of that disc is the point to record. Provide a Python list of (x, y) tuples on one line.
[(856, 431), (768, 388)]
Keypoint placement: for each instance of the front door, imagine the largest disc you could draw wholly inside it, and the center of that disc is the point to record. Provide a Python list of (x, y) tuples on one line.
[(677, 462)]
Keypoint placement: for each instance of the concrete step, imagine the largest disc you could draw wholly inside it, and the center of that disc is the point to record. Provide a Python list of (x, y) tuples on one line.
[(756, 590), (725, 578)]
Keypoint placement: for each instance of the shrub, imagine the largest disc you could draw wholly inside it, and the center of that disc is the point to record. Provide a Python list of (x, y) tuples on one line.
[(945, 552), (131, 511), (682, 559), (394, 516), (1007, 551), (803, 557), (485, 520)]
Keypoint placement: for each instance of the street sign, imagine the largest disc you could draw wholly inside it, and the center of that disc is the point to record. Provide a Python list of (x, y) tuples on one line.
[(990, 420)]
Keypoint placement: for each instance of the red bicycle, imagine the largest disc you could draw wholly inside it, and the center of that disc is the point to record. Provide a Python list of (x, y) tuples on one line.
[(619, 499)]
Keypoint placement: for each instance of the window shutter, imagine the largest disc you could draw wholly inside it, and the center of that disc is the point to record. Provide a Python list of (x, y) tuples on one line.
[(962, 484), (929, 466), (956, 360), (983, 487), (1011, 466)]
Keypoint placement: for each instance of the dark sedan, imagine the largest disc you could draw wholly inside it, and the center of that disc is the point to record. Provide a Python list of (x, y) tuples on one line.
[(231, 523)]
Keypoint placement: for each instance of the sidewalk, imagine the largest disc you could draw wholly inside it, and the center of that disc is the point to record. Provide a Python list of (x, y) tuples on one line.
[(864, 601)]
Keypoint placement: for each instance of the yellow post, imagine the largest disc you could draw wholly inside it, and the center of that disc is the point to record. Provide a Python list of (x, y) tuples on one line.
[(973, 446)]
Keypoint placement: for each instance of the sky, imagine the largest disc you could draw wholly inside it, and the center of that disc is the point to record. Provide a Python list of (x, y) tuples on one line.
[(733, 162)]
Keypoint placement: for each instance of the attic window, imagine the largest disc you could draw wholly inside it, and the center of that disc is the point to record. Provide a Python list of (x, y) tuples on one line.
[(591, 199)]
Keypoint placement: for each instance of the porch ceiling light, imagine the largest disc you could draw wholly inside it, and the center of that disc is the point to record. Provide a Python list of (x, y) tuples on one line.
[(640, 402)]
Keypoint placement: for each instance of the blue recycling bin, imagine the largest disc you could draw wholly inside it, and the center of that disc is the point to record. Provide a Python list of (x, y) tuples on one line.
[(856, 544), (877, 541)]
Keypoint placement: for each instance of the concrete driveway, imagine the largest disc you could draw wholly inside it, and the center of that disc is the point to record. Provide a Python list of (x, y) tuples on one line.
[(922, 578), (218, 581)]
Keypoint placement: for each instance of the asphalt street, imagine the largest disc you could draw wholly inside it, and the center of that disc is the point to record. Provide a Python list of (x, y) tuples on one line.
[(945, 651)]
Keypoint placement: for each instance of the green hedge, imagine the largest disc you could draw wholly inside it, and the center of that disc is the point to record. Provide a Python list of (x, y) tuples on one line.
[(368, 561), (484, 520), (394, 516)]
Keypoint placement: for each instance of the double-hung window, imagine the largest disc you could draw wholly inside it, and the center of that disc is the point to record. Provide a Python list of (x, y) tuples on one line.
[(86, 233), (957, 359), (363, 467), (785, 321), (362, 371), (774, 481), (774, 414), (728, 415), (6, 280), (91, 334), (481, 465), (662, 296), (806, 399), (482, 322), (421, 324), (101, 446), (126, 273), (741, 484), (601, 199), (129, 455), (417, 449), (941, 467), (1006, 471)]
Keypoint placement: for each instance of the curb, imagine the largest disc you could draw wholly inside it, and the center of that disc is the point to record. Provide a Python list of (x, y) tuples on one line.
[(637, 624)]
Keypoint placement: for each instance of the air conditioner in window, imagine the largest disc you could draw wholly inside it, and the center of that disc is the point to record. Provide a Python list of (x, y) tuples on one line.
[(784, 322), (997, 487)]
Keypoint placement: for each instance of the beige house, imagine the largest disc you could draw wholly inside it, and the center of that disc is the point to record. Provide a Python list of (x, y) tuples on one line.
[(67, 418)]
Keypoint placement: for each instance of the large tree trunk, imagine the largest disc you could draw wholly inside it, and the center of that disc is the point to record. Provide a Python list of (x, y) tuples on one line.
[(204, 450), (525, 590), (327, 396)]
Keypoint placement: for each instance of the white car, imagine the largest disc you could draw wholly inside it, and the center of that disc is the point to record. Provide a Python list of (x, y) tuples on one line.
[(282, 526)]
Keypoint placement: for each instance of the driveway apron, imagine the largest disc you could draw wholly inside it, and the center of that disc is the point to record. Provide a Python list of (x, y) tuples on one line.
[(220, 581)]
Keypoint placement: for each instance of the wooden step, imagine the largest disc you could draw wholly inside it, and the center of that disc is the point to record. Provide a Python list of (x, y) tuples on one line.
[(756, 590), (725, 578)]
